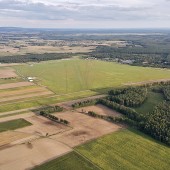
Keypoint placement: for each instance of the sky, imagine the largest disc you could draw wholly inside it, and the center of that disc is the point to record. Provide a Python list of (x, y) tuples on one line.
[(85, 13)]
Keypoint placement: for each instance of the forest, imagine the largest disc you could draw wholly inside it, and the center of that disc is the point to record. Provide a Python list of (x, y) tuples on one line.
[(151, 50), (133, 96), (34, 57)]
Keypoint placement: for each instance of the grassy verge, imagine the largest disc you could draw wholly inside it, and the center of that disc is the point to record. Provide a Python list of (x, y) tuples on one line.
[(13, 124), (150, 103)]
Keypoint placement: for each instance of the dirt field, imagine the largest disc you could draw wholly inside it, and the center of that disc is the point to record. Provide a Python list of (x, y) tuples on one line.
[(41, 126), (35, 148), (30, 155), (15, 85), (11, 136), (7, 72), (100, 109), (84, 128)]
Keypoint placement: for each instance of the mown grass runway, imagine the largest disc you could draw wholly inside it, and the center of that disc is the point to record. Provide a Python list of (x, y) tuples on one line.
[(68, 76)]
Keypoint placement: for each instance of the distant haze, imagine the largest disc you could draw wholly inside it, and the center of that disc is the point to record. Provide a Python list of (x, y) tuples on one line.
[(85, 13)]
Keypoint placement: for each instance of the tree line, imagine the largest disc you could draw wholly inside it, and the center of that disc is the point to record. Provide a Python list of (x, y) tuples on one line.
[(54, 118), (34, 57)]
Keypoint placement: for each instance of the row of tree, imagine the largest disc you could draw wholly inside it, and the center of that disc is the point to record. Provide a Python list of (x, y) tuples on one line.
[(130, 113), (34, 57), (132, 97), (54, 118), (85, 103), (51, 109)]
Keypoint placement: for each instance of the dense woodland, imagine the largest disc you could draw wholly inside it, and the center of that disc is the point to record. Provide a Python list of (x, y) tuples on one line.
[(151, 50), (133, 96)]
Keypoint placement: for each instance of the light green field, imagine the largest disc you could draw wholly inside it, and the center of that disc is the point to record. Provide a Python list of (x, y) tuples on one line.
[(153, 100), (127, 149), (71, 161), (67, 76), (13, 124)]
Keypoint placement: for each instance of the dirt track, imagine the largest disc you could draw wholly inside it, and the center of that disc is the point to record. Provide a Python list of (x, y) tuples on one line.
[(15, 85), (37, 94), (7, 73)]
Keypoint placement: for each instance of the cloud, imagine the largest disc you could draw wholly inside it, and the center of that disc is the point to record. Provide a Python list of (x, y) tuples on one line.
[(89, 10)]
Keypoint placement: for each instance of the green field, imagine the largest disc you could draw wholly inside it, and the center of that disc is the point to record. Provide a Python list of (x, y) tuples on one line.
[(13, 124), (153, 100), (126, 150), (71, 161), (68, 76)]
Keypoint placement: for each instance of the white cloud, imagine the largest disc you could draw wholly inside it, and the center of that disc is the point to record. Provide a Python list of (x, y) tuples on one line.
[(89, 12)]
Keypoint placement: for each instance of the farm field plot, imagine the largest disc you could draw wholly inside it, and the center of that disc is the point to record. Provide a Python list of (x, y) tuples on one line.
[(13, 124), (41, 126), (40, 101), (6, 72), (84, 128), (15, 85), (71, 161), (27, 156), (68, 76), (127, 149), (23, 94), (100, 109), (11, 136)]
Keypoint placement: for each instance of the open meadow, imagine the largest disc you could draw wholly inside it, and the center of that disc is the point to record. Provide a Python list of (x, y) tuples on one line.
[(68, 76)]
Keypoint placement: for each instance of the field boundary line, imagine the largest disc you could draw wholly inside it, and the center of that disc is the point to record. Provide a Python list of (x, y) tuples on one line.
[(95, 165)]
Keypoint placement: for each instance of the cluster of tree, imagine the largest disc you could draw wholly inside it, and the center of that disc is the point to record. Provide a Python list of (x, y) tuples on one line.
[(166, 92), (52, 109), (84, 103), (34, 57), (158, 123), (133, 96), (53, 118)]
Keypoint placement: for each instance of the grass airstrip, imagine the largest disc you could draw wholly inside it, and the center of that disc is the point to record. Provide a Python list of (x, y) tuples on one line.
[(76, 78)]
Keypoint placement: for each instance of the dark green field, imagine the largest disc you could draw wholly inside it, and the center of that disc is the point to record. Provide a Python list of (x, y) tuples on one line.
[(13, 124), (71, 161)]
